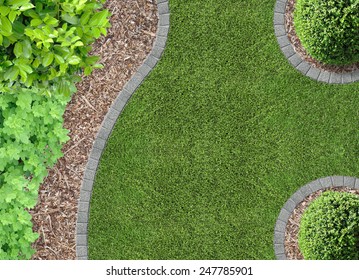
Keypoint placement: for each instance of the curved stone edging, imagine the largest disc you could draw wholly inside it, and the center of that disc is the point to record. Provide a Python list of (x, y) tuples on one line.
[(302, 66), (108, 124), (299, 196)]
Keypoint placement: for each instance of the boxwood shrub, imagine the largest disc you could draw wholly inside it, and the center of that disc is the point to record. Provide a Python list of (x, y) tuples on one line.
[(44, 45), (329, 29), (329, 228)]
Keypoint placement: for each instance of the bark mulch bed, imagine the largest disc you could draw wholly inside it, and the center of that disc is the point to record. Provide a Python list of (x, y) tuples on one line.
[(291, 235), (299, 49), (122, 51)]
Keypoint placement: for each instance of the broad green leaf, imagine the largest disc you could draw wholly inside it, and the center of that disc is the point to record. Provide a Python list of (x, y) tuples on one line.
[(39, 34), (96, 32), (85, 18), (73, 60), (59, 59), (31, 13), (70, 32), (18, 29), (92, 59), (63, 67), (53, 74), (36, 62), (26, 6), (65, 44), (75, 79), (47, 59), (80, 31), (23, 75), (26, 48), (52, 21), (77, 44), (98, 66), (4, 10), (29, 81), (13, 15), (64, 26), (99, 19), (25, 67), (7, 63), (75, 38), (6, 26), (18, 49), (17, 3), (12, 73), (103, 31), (29, 32), (6, 42), (88, 71), (35, 22), (62, 50), (70, 19)]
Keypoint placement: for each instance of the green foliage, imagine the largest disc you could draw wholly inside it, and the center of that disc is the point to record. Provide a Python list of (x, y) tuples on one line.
[(329, 29), (44, 44), (329, 228), (31, 135)]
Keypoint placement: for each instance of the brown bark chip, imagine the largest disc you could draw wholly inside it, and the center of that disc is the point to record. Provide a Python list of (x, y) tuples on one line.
[(122, 51)]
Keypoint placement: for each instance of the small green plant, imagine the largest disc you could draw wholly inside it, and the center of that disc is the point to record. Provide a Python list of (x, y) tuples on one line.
[(44, 44), (329, 228), (329, 29), (31, 136)]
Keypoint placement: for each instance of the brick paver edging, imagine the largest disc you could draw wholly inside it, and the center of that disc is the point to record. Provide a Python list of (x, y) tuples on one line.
[(299, 196), (108, 124), (298, 63)]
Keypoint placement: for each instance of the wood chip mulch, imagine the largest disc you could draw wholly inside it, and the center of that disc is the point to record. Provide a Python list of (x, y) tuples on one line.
[(122, 51), (291, 235), (299, 49)]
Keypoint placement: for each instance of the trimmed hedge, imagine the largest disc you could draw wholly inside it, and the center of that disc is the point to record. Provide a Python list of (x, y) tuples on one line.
[(44, 45), (329, 29), (329, 228)]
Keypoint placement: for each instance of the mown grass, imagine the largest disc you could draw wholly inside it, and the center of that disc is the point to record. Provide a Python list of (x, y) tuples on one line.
[(219, 136)]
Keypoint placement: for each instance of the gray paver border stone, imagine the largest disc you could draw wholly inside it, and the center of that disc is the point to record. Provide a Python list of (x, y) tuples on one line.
[(299, 196), (296, 61), (108, 124)]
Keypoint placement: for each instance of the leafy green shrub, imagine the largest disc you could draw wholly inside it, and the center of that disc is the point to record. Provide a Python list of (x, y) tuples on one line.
[(44, 44), (329, 29), (31, 135), (329, 228)]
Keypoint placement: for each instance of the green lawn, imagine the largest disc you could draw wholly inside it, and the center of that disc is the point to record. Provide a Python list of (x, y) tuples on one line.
[(214, 142)]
